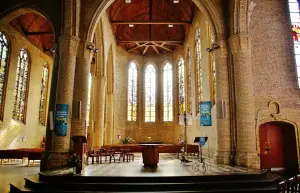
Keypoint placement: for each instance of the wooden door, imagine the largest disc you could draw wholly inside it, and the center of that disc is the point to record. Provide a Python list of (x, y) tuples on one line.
[(271, 146)]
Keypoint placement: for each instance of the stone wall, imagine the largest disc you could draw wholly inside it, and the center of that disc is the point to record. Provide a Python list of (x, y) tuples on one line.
[(11, 131)]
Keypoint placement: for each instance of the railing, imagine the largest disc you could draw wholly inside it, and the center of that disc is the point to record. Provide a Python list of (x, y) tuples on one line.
[(289, 186)]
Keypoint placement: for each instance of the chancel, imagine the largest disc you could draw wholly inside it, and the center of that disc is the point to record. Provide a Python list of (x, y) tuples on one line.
[(149, 95)]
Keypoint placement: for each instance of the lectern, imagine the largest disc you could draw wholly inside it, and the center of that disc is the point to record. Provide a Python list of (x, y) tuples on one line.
[(150, 154)]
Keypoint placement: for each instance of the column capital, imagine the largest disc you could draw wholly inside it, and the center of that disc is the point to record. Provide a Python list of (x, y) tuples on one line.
[(239, 42)]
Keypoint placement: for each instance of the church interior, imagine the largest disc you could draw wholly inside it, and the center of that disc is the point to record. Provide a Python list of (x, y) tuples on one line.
[(149, 95)]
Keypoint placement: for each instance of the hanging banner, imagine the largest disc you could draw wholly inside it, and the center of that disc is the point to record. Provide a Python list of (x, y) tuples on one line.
[(205, 113), (61, 119)]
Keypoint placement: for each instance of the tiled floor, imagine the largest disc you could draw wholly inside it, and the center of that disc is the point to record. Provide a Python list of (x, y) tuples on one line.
[(169, 165)]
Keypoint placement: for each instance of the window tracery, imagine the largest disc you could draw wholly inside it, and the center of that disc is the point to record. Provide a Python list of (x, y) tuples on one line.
[(43, 100), (132, 92), (181, 90), (3, 69), (150, 93), (168, 92), (21, 86)]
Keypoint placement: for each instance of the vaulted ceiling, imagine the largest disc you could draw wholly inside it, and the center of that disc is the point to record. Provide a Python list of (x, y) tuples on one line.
[(36, 29), (157, 26)]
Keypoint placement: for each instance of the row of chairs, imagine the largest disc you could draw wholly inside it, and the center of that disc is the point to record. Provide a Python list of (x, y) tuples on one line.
[(110, 154), (289, 186)]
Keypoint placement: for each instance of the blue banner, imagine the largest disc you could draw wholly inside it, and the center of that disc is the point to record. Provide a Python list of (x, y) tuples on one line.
[(61, 119), (205, 113)]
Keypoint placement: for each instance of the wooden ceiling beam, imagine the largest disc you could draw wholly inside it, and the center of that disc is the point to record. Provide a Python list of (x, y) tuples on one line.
[(151, 22), (161, 46), (140, 41), (155, 49), (145, 50), (138, 46)]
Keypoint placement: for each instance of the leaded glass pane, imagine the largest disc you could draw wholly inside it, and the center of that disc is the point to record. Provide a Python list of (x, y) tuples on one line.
[(189, 81), (44, 86), (3, 65), (295, 19), (181, 93), (168, 92), (132, 92), (150, 90), (198, 68), (21, 86)]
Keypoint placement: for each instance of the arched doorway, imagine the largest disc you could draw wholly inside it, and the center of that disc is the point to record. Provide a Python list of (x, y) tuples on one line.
[(278, 147)]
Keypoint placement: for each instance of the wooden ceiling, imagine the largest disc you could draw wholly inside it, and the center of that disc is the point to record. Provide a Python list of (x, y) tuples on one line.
[(37, 29), (151, 34)]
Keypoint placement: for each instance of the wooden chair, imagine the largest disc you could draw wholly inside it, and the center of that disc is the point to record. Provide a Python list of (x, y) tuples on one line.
[(292, 185), (106, 153), (281, 187), (92, 154), (129, 156)]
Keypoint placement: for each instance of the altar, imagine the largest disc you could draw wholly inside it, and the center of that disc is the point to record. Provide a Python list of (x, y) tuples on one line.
[(150, 154)]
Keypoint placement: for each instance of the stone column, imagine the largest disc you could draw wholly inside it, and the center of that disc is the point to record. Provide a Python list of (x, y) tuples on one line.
[(90, 131), (81, 88), (222, 94), (99, 111), (80, 94), (59, 152), (109, 122), (245, 115)]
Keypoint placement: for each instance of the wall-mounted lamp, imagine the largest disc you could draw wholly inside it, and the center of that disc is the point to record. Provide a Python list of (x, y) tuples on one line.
[(213, 47), (53, 49), (92, 48)]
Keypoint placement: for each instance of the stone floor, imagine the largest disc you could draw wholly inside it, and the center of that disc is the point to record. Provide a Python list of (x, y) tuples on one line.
[(169, 165)]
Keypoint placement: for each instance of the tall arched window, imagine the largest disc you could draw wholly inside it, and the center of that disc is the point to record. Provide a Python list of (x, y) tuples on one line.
[(3, 70), (198, 69), (168, 92), (211, 39), (181, 93), (150, 88), (132, 92), (295, 19), (21, 87), (43, 100), (189, 85)]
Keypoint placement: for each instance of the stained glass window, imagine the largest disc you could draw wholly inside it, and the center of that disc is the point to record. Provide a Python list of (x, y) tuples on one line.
[(21, 86), (295, 19), (212, 62), (198, 69), (181, 93), (43, 100), (189, 85), (132, 92), (150, 88), (168, 92), (3, 69)]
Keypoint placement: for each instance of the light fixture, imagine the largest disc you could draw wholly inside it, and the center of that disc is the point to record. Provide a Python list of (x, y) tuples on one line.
[(213, 47), (170, 25), (176, 1), (53, 49), (209, 49), (127, 1), (93, 48), (131, 25)]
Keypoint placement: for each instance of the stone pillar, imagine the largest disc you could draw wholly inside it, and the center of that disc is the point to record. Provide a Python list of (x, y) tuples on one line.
[(109, 122), (90, 131), (80, 94), (59, 152), (245, 115), (81, 88), (222, 94), (99, 111)]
